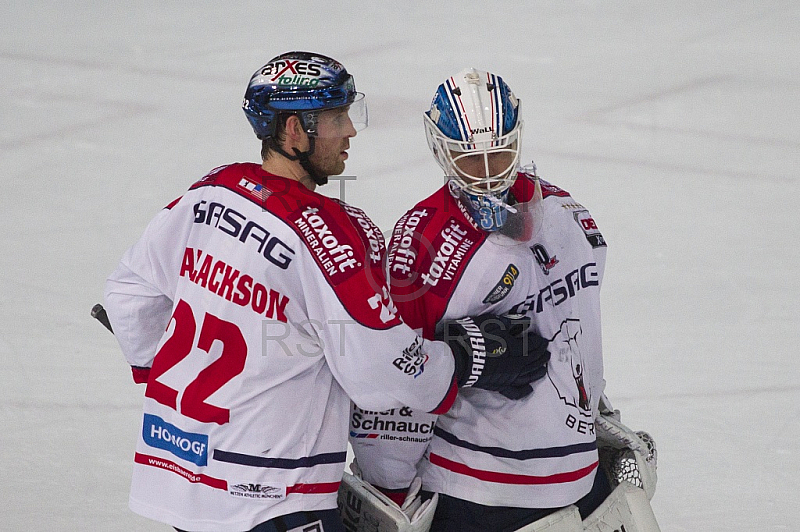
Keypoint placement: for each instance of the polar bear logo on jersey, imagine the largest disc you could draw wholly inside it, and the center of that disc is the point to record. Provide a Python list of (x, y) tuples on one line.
[(567, 342)]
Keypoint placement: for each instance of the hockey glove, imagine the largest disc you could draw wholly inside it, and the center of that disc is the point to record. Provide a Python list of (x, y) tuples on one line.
[(625, 454), (496, 353), (366, 508)]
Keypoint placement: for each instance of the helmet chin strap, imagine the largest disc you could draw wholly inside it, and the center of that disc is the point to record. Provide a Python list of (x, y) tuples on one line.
[(303, 157)]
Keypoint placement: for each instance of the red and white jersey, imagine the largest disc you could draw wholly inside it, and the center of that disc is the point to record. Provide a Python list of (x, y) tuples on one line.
[(540, 451), (252, 307)]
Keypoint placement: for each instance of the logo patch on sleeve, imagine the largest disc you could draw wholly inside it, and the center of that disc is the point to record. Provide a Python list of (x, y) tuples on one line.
[(503, 287), (589, 228)]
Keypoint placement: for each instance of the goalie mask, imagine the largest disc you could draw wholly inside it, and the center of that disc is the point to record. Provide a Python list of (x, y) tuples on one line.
[(474, 131)]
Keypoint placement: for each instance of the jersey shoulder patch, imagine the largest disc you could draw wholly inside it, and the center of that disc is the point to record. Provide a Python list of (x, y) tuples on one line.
[(589, 227), (346, 246), (430, 248)]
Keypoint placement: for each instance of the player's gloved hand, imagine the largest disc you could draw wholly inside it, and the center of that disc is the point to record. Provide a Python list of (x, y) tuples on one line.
[(496, 353), (625, 454)]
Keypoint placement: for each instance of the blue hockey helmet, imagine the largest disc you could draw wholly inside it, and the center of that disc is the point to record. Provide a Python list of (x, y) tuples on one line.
[(301, 83), (474, 130)]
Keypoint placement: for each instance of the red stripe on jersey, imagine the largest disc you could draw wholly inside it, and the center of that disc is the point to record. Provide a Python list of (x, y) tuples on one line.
[(167, 465), (448, 400), (323, 487), (510, 478), (217, 483)]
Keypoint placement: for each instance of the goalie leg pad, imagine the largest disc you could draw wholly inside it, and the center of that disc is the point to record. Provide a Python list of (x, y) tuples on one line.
[(364, 508), (627, 508)]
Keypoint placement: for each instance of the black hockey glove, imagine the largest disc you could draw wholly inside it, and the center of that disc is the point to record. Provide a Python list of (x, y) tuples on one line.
[(496, 353)]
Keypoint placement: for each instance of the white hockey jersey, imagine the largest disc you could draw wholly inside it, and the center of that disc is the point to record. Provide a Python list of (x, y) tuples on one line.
[(252, 307), (538, 452)]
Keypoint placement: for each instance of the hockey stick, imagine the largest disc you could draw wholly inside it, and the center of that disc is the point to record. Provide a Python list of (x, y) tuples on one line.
[(99, 313)]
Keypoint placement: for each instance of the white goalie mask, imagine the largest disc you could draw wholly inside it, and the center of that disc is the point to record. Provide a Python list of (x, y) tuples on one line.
[(474, 131)]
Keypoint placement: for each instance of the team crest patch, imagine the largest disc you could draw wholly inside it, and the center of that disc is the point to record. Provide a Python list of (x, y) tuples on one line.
[(503, 287), (568, 342), (589, 228), (545, 261)]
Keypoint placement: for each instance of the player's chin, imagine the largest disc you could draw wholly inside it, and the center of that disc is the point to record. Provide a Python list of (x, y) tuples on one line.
[(337, 168)]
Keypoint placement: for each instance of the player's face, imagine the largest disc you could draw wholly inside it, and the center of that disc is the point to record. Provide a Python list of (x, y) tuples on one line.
[(474, 168), (334, 130)]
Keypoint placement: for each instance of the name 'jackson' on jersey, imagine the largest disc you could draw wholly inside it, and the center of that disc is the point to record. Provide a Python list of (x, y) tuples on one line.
[(539, 451), (251, 307)]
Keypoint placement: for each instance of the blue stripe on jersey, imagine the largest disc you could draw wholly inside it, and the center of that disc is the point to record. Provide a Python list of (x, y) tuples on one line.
[(525, 454), (279, 463)]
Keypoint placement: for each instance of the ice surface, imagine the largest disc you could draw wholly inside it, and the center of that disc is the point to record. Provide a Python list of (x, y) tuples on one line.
[(676, 123)]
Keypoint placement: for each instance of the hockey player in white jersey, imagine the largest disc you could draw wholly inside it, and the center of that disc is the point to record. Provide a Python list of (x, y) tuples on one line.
[(253, 306), (495, 239)]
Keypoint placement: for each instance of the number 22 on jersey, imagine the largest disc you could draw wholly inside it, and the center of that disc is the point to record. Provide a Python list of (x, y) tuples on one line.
[(213, 377)]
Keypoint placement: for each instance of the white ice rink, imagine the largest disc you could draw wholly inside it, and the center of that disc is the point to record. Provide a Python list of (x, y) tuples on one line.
[(676, 123)]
